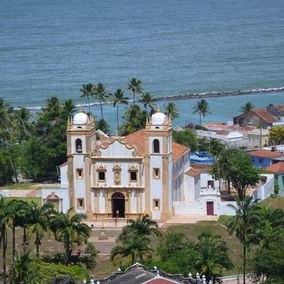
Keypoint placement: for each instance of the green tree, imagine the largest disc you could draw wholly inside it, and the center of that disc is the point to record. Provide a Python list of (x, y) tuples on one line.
[(87, 91), (202, 109), (40, 216), (4, 219), (242, 224), (68, 109), (134, 247), (187, 138), (133, 120), (21, 270), (211, 256), (170, 244), (276, 135), (100, 93), (247, 107), (15, 209), (135, 86), (268, 263), (103, 126), (171, 110), (119, 99), (236, 167), (147, 100), (70, 230), (143, 226)]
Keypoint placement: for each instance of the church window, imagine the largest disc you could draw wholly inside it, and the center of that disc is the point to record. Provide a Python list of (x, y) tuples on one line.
[(80, 203), (133, 176), (156, 173), (210, 183), (156, 204), (156, 146), (79, 173), (101, 175), (78, 144)]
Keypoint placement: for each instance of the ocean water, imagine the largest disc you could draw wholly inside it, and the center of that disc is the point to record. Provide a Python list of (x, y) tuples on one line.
[(50, 48)]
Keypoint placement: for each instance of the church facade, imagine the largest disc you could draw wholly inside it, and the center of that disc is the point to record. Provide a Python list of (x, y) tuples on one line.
[(123, 177)]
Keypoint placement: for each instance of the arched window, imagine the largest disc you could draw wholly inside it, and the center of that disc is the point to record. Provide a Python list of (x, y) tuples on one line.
[(78, 145), (156, 146)]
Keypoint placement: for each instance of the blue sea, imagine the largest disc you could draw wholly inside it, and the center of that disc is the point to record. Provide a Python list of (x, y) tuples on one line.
[(50, 48)]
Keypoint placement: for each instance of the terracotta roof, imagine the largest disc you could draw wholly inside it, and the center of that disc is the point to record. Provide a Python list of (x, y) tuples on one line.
[(277, 168), (281, 108), (203, 168), (179, 150), (265, 115), (265, 153), (192, 172), (137, 139)]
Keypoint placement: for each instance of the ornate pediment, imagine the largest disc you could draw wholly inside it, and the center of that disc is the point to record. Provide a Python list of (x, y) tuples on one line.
[(101, 168)]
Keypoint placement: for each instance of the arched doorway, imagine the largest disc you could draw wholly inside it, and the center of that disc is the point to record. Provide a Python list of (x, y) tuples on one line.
[(118, 205)]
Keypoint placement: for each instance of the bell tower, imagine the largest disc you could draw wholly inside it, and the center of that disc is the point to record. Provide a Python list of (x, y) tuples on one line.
[(158, 166), (81, 142)]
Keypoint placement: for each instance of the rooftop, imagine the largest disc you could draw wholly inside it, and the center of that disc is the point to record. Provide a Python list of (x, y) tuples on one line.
[(265, 154), (264, 114), (277, 168)]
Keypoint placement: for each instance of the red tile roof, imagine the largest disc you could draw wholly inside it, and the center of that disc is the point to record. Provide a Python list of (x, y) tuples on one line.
[(179, 150), (277, 168), (264, 114), (281, 108), (203, 168), (192, 172), (138, 139), (265, 153)]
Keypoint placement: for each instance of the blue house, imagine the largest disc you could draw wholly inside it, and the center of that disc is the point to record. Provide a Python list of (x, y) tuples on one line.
[(278, 170), (264, 158)]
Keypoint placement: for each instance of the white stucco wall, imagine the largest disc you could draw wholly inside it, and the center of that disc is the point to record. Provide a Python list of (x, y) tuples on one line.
[(62, 193)]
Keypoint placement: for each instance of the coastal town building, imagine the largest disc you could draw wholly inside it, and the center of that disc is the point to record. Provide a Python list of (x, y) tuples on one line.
[(262, 117), (263, 158), (112, 178)]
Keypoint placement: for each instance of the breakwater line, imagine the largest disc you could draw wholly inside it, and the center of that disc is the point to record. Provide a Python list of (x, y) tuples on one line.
[(188, 96), (191, 96)]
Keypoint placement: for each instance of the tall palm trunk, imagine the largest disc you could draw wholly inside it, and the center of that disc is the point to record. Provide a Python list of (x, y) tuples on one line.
[(14, 241), (133, 99), (244, 263), (117, 119), (101, 105), (89, 104), (4, 254), (200, 119)]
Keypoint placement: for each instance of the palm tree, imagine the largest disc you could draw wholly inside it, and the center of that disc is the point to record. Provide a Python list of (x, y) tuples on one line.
[(144, 226), (147, 100), (23, 116), (135, 247), (202, 109), (119, 99), (211, 256), (247, 215), (21, 271), (70, 230), (15, 209), (24, 220), (68, 108), (135, 86), (87, 92), (171, 110), (4, 219), (100, 93), (247, 107), (40, 216)]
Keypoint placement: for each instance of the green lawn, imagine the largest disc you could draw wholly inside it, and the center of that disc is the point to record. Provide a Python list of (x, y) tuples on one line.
[(274, 202), (21, 185), (37, 200), (192, 231)]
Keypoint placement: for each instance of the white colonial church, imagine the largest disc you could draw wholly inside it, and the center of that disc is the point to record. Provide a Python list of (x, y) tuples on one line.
[(125, 177)]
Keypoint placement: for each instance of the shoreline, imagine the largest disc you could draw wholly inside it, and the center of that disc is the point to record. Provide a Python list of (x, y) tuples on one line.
[(188, 96)]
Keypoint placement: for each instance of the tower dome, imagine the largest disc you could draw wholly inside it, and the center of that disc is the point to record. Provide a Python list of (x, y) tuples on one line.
[(80, 117), (158, 118)]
